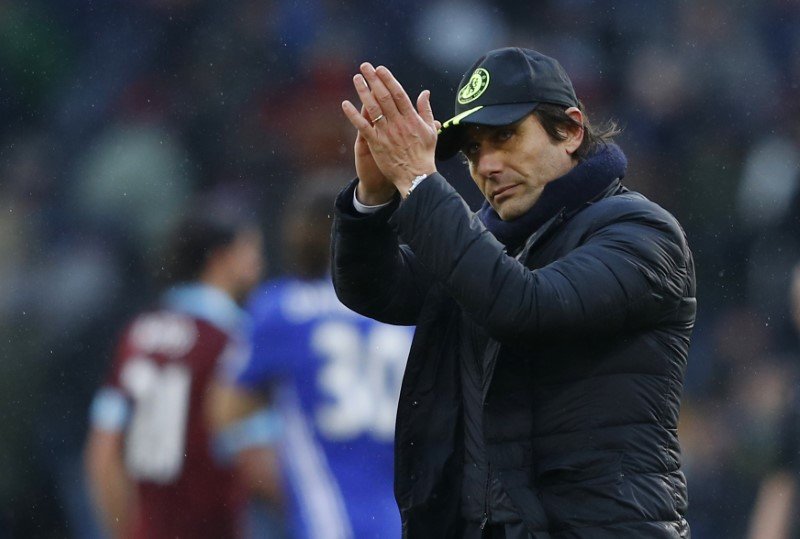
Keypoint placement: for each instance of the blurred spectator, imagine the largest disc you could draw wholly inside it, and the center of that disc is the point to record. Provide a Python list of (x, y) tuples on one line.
[(774, 515), (148, 456), (332, 377), (472, 28), (132, 167)]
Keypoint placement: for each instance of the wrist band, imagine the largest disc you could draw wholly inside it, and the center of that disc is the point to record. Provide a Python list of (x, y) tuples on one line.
[(415, 182)]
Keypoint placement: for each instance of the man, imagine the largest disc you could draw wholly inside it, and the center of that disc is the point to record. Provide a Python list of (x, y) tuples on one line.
[(332, 377), (542, 391), (148, 455)]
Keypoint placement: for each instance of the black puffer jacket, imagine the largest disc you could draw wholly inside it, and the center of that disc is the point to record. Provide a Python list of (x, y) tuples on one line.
[(589, 329)]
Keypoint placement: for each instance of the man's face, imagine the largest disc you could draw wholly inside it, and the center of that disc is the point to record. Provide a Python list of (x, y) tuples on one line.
[(511, 164)]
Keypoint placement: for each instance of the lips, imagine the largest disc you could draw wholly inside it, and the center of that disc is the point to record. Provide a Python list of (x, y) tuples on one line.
[(498, 193)]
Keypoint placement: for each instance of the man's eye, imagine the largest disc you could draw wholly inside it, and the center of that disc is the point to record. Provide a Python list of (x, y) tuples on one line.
[(505, 134), (470, 149)]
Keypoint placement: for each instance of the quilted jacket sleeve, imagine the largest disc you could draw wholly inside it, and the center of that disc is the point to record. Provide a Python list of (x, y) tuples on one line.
[(372, 273), (629, 270)]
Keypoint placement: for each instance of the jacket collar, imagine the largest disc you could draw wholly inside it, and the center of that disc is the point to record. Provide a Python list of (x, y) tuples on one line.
[(587, 181), (563, 215)]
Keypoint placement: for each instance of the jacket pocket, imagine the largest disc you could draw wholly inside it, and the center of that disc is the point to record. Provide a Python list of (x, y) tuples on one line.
[(595, 489), (589, 467)]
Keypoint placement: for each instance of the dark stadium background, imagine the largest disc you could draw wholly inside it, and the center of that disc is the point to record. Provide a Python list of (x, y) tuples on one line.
[(118, 114)]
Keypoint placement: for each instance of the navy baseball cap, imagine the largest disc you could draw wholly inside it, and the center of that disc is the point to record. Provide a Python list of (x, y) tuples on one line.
[(504, 86)]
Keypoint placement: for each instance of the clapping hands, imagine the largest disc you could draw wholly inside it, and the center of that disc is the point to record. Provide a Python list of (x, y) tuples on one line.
[(396, 142)]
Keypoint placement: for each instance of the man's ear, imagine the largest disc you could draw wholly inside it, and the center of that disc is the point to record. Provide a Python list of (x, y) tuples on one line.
[(574, 133)]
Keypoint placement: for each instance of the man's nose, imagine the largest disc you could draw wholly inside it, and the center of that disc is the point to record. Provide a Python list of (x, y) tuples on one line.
[(489, 162)]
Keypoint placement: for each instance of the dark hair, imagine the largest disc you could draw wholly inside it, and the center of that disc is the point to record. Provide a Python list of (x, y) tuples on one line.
[(307, 229), (194, 240), (555, 120)]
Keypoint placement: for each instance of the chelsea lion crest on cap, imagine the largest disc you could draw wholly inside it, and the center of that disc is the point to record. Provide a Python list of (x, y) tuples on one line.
[(521, 79), (476, 85)]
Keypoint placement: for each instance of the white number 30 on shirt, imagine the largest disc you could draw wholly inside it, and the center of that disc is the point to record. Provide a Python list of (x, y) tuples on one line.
[(361, 377)]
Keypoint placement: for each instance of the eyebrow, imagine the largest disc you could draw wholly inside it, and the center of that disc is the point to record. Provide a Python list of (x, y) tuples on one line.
[(488, 129), (491, 128)]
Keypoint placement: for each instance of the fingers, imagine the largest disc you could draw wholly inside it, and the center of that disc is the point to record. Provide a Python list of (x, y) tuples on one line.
[(367, 99), (365, 114), (356, 118), (424, 108), (399, 95), (380, 92)]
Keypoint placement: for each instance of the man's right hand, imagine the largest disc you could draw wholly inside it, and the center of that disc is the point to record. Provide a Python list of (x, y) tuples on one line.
[(373, 187)]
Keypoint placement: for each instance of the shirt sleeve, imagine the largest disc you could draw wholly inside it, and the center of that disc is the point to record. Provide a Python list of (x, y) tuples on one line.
[(110, 410), (269, 353), (363, 208), (111, 406)]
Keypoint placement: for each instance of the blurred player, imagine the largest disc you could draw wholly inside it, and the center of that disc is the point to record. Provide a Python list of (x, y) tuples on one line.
[(334, 380), (775, 513), (148, 458)]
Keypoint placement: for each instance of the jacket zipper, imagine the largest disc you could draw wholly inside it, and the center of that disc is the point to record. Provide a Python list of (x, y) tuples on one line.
[(486, 495)]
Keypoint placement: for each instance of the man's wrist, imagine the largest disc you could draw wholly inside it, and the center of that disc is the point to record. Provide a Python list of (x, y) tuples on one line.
[(360, 207), (415, 182), (372, 198), (412, 184)]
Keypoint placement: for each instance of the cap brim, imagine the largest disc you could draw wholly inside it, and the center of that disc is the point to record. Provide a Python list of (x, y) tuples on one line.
[(451, 135)]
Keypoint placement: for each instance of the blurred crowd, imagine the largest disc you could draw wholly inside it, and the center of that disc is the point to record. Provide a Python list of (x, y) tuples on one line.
[(119, 115)]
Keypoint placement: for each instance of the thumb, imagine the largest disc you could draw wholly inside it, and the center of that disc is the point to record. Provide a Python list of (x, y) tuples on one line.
[(424, 107)]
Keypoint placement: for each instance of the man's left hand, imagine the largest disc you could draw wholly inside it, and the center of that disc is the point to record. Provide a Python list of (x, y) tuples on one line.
[(402, 139)]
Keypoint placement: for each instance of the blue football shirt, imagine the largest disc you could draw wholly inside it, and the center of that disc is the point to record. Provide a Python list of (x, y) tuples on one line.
[(338, 376)]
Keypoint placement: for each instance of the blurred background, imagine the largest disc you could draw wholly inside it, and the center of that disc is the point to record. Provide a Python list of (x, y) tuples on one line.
[(117, 115)]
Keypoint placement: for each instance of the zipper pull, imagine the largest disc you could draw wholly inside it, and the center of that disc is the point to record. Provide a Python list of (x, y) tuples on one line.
[(484, 521)]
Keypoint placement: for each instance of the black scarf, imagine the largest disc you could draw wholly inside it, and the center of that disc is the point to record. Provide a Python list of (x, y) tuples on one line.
[(578, 186)]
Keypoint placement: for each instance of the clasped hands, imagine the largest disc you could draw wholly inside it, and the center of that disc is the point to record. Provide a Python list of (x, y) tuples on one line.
[(395, 141)]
